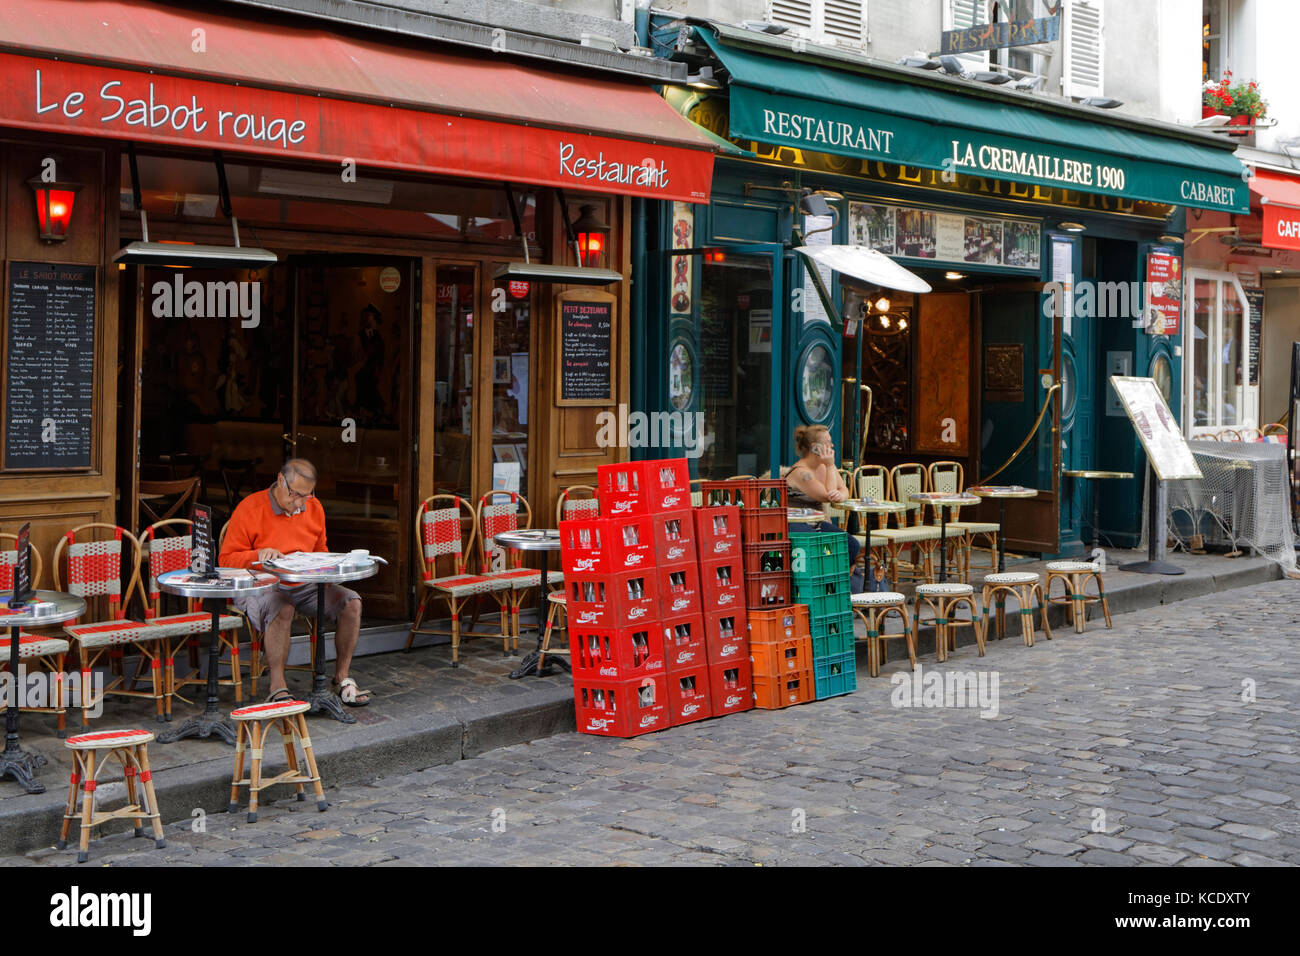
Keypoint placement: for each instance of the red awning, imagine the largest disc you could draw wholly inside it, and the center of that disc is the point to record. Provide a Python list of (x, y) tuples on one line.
[(1279, 194), (130, 69)]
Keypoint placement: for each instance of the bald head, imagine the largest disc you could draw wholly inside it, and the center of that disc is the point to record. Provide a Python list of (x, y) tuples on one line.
[(299, 468)]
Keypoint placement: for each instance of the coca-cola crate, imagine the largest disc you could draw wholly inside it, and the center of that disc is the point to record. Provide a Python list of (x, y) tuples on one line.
[(783, 690), (764, 524), (722, 583), (607, 545), (625, 599), (731, 686), (616, 653), (684, 645), (726, 635), (781, 657), (717, 532), (688, 695), (668, 484), (674, 537), (777, 624), (620, 488), (746, 493), (621, 708), (679, 590)]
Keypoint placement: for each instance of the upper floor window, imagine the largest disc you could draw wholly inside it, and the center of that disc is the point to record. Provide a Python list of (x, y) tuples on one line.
[(841, 22), (1214, 37)]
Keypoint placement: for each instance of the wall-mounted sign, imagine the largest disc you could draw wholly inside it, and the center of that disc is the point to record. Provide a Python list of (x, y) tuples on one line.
[(996, 36), (1165, 294), (1281, 226), (49, 366), (585, 348), (945, 237)]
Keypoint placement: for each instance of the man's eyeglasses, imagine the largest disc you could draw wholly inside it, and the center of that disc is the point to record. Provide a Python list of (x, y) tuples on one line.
[(296, 495)]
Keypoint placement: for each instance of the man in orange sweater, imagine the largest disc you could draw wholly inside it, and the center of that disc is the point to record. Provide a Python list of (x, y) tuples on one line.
[(283, 519)]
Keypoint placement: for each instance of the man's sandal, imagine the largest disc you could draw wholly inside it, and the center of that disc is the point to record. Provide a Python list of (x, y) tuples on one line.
[(280, 696), (349, 694)]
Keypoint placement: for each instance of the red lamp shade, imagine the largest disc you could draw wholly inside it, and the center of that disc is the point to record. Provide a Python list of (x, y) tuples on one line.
[(54, 207), (593, 236)]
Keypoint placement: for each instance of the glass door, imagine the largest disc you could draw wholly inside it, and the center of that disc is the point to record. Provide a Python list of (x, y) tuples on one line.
[(352, 409), (1217, 389), (454, 310), (724, 388)]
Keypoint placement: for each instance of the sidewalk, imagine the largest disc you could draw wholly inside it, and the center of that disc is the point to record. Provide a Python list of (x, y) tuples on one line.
[(428, 713)]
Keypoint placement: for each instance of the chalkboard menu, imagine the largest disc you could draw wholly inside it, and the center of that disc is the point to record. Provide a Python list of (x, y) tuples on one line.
[(586, 347), (1256, 318), (49, 366), (718, 358)]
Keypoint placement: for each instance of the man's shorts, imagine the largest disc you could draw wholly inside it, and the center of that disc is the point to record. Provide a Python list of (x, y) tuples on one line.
[(262, 606)]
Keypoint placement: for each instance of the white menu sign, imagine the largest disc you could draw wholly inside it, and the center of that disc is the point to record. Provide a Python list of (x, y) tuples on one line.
[(1156, 427)]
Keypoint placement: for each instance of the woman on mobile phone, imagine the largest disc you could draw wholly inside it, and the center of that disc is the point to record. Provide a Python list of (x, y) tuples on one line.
[(814, 480)]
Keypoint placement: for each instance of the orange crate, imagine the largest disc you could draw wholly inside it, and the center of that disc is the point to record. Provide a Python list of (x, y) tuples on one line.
[(778, 624), (773, 693), (781, 657)]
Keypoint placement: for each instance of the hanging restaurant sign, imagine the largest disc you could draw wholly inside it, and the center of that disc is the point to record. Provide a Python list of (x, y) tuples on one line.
[(996, 36)]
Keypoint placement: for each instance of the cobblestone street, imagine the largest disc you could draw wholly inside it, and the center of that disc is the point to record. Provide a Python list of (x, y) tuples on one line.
[(1167, 740)]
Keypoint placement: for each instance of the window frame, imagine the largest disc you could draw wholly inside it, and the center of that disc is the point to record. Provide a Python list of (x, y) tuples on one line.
[(1247, 413)]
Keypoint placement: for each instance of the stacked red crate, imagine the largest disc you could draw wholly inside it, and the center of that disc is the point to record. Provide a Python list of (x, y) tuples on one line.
[(722, 589)]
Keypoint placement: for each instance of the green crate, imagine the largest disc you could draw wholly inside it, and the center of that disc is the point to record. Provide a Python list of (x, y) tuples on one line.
[(816, 554), (835, 675), (828, 597), (834, 637)]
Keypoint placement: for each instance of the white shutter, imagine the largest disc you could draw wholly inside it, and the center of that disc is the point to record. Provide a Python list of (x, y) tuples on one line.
[(1081, 40), (796, 14), (962, 15), (844, 21)]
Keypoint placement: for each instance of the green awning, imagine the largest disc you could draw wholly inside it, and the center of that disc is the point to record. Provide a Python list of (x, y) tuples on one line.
[(683, 101), (786, 102)]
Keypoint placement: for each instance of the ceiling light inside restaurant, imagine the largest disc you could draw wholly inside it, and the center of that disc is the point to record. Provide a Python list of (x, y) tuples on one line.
[(882, 304), (954, 275)]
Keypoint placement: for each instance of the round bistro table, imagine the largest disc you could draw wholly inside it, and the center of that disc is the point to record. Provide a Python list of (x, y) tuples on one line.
[(1096, 498), (869, 506), (543, 541), (943, 500), (321, 697), (185, 583), (15, 761), (1002, 493)]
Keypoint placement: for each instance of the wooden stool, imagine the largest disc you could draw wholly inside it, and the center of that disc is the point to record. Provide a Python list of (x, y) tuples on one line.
[(1074, 576), (555, 618), (1022, 585), (943, 600), (130, 747), (289, 719), (873, 607)]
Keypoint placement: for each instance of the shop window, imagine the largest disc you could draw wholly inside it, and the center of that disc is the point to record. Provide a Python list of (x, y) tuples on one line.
[(511, 418), (1214, 26), (1219, 395), (454, 380), (885, 339), (835, 22)]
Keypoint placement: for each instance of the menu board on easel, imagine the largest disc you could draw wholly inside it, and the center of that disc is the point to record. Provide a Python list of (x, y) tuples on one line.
[(584, 346), (49, 369), (1156, 427)]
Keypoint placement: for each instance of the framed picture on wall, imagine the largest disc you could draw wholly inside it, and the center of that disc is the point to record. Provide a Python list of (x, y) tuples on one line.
[(501, 370), (506, 453)]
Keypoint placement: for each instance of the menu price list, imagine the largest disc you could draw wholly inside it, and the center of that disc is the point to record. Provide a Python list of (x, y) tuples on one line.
[(49, 365), (585, 347)]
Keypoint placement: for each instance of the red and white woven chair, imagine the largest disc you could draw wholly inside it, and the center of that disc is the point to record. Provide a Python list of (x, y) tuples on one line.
[(577, 501), (103, 566), (505, 564), (35, 650), (165, 549), (440, 533)]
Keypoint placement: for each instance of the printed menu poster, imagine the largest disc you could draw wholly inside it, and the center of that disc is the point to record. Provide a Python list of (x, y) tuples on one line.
[(1164, 293), (1156, 427)]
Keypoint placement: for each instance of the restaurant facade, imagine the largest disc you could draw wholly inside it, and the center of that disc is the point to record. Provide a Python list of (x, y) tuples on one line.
[(1017, 211), (404, 334)]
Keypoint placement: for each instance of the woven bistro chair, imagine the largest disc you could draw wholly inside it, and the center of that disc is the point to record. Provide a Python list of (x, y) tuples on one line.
[(950, 476), (923, 539), (46, 652), (505, 564), (256, 665), (165, 549), (103, 566), (440, 527), (872, 481), (577, 501)]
